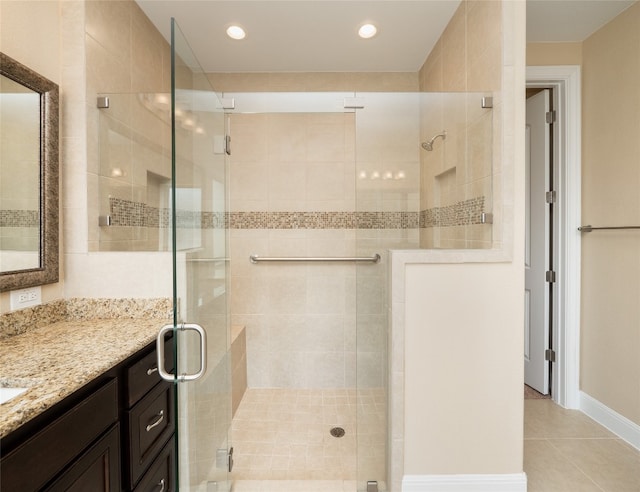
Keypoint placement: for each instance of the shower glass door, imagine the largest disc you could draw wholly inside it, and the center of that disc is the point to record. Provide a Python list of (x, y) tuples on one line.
[(197, 200)]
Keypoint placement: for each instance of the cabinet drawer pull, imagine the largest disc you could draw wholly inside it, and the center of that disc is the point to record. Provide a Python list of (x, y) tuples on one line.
[(161, 484), (157, 422), (151, 370)]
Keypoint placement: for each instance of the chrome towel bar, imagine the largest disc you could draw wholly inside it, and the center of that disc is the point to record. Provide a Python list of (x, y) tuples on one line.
[(371, 259), (588, 228)]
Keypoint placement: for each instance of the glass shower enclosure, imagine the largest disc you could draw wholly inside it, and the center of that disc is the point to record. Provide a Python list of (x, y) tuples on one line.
[(197, 220), (283, 360)]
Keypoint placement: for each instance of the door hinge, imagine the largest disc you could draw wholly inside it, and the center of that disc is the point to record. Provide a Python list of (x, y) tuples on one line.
[(486, 102), (224, 459), (550, 276), (550, 355), (486, 218), (550, 117), (550, 196), (353, 103)]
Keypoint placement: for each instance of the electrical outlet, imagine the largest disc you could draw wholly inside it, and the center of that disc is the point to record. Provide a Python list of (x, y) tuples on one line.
[(24, 298)]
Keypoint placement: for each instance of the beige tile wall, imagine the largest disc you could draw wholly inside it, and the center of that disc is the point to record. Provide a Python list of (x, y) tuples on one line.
[(128, 60), (301, 319), (466, 58)]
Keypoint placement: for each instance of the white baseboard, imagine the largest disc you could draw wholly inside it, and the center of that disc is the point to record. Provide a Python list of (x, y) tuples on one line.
[(612, 420), (514, 482)]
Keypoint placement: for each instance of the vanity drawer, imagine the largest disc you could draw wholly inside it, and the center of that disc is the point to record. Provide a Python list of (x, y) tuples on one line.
[(98, 469), (47, 452), (150, 424), (161, 474), (143, 375)]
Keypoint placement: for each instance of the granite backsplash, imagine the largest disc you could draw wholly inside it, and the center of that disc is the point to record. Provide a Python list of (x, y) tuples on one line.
[(17, 322)]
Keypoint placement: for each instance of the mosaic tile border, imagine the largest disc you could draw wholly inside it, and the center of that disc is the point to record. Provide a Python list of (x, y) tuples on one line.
[(125, 213), (466, 212), (19, 218)]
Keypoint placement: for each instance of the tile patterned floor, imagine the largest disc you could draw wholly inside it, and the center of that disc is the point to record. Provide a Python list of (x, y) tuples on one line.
[(566, 451), (294, 486), (282, 436)]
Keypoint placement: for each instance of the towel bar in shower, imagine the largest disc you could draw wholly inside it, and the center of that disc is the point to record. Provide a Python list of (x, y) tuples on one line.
[(371, 259), (588, 228)]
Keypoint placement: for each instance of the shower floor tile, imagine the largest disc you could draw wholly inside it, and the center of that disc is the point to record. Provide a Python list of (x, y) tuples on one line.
[(284, 435), (294, 486)]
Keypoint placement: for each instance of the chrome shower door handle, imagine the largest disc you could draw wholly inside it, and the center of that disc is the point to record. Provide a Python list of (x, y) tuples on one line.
[(203, 352), (160, 353)]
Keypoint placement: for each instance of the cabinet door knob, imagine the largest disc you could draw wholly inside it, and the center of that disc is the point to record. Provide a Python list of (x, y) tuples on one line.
[(157, 422), (161, 484), (151, 370)]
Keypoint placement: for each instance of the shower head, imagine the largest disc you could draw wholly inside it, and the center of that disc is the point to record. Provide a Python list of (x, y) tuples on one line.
[(429, 145)]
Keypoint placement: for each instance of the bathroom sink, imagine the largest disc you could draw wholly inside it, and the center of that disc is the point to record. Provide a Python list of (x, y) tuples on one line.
[(7, 394), (11, 387)]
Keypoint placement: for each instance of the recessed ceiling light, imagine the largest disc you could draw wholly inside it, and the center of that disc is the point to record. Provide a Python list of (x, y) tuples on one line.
[(236, 32), (367, 31)]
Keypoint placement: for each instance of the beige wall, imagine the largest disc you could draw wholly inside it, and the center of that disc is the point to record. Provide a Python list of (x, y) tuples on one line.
[(463, 411), (610, 312), (554, 54), (610, 331), (30, 34), (26, 28), (463, 321)]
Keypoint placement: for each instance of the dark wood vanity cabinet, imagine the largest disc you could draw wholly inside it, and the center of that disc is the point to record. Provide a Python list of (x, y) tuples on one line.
[(149, 422), (97, 469), (114, 434), (60, 448)]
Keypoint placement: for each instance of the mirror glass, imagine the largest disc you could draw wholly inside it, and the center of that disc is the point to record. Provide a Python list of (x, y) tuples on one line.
[(19, 176), (28, 177)]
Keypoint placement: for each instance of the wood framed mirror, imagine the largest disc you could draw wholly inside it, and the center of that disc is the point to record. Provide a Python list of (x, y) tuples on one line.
[(29, 183)]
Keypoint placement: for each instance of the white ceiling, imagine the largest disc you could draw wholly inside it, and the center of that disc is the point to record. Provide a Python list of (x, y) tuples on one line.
[(321, 35)]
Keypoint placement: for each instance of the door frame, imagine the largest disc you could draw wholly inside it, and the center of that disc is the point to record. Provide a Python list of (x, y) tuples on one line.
[(565, 82)]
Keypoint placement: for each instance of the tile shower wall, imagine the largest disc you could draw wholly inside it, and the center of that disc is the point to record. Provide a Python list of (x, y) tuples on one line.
[(128, 143), (293, 181), (466, 166), (457, 174), (299, 318), (134, 172)]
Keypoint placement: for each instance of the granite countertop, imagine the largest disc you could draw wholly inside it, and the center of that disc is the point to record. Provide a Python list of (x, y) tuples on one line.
[(55, 360)]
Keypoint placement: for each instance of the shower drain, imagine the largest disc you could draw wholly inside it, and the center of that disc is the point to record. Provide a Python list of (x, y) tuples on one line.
[(337, 432)]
